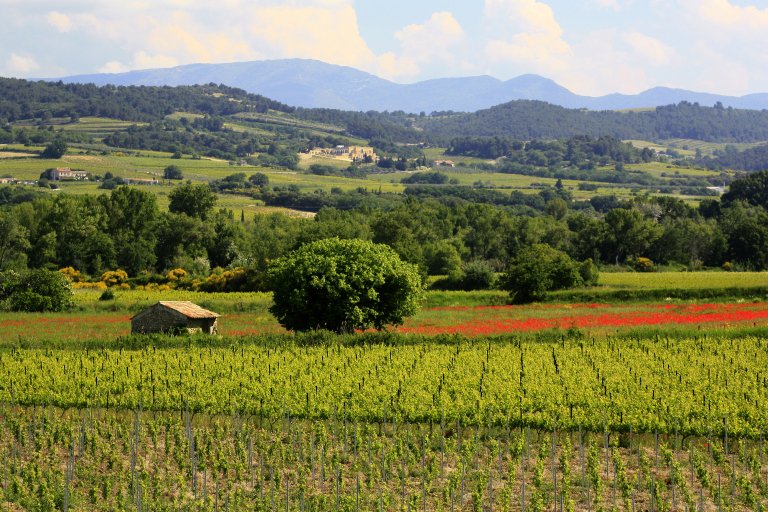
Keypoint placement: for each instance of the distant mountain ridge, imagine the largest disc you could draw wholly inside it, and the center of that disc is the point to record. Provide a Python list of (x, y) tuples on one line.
[(315, 84)]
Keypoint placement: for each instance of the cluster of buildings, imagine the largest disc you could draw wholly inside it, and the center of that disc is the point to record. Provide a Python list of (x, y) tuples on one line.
[(351, 153), (67, 174)]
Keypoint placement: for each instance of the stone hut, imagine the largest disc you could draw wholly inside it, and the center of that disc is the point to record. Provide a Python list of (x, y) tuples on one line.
[(175, 316)]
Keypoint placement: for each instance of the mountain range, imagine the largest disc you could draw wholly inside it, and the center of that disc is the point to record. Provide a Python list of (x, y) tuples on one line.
[(315, 84)]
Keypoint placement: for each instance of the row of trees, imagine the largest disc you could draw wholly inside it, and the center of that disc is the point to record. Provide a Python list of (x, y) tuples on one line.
[(442, 236)]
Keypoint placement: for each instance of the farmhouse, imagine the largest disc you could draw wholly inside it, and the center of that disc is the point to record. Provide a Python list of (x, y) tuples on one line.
[(349, 153), (174, 316), (67, 174)]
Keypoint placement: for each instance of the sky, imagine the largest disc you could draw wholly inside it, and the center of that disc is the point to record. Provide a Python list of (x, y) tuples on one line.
[(592, 47)]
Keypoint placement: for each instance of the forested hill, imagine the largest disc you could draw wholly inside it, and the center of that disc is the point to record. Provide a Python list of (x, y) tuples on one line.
[(528, 120), (23, 100), (522, 120)]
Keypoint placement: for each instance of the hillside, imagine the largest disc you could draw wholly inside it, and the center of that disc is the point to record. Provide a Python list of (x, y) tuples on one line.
[(534, 119)]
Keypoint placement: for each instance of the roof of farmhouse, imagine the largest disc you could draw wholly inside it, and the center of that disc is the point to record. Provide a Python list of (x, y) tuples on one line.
[(188, 309)]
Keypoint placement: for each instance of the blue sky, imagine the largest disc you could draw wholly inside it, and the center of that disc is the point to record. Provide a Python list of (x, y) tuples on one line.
[(592, 47)]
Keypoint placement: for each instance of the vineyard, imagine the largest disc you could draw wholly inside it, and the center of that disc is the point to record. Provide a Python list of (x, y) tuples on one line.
[(467, 407), (95, 459), (695, 386)]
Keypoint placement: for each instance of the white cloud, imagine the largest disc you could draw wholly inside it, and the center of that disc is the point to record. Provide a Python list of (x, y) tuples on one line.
[(59, 21), (537, 40), (436, 41), (144, 60), (608, 4), (727, 14), (650, 49), (20, 65), (303, 31), (114, 66), (432, 38)]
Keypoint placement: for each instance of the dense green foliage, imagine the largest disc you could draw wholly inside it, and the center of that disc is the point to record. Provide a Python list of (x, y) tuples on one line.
[(438, 228), (751, 159), (35, 291), (527, 120), (194, 200), (539, 269), (23, 99), (55, 149), (343, 286)]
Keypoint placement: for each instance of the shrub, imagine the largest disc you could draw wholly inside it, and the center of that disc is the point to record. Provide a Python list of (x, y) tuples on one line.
[(343, 286), (641, 264), (233, 280), (108, 294), (176, 274), (40, 290), (114, 277), (589, 272), (73, 275), (538, 269), (477, 275)]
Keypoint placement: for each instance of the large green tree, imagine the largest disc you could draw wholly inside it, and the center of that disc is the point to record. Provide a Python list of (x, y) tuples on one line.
[(195, 200), (538, 269), (36, 290), (753, 189), (343, 285), (55, 149)]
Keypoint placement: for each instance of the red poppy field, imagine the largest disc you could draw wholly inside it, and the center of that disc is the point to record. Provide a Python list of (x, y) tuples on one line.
[(463, 320)]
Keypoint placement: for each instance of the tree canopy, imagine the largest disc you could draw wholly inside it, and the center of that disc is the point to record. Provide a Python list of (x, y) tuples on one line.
[(195, 200), (342, 286)]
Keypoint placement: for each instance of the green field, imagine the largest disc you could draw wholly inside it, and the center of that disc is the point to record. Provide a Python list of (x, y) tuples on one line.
[(682, 280), (259, 419)]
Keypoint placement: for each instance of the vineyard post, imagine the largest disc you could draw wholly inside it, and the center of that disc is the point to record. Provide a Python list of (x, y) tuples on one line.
[(605, 444), (442, 444), (692, 471), (312, 458), (719, 494), (490, 490), (272, 486), (522, 480), (672, 476), (338, 483), (761, 453), (357, 493), (614, 484), (581, 454)]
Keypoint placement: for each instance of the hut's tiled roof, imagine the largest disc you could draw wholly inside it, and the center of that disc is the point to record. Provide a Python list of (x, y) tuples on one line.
[(188, 309)]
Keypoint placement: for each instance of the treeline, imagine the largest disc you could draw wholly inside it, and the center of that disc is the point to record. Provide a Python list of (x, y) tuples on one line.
[(578, 151), (28, 100), (382, 126), (208, 137), (583, 158), (751, 159), (443, 234), (527, 120)]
